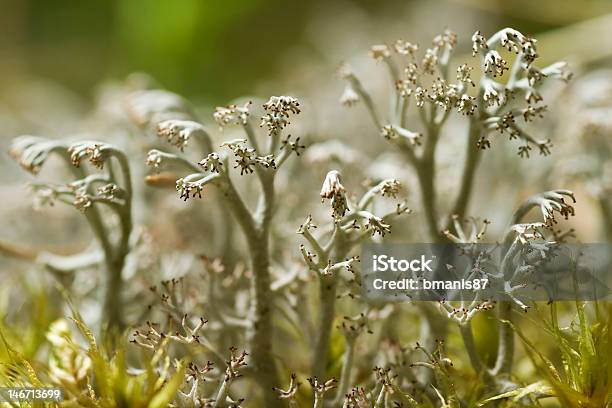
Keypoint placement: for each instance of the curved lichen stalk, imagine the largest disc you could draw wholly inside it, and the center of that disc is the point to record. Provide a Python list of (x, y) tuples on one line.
[(112, 189), (512, 271)]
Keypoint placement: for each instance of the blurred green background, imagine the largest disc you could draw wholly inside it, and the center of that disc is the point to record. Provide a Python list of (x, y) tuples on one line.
[(215, 49), (192, 46)]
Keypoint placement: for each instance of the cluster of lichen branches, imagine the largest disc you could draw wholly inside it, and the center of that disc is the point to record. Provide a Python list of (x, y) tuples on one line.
[(505, 99), (506, 95), (214, 169), (498, 103)]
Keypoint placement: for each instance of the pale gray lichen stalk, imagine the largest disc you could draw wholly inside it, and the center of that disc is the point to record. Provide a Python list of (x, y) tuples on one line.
[(88, 194), (327, 254), (250, 158)]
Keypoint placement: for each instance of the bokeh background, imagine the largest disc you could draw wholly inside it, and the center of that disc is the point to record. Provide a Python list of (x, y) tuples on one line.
[(214, 50)]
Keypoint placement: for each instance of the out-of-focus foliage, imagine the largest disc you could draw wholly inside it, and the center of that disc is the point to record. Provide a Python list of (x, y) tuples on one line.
[(582, 377)]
